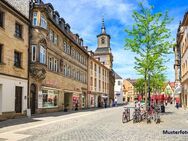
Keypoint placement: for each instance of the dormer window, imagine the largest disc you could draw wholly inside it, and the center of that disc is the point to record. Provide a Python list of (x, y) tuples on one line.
[(43, 22), (57, 19), (77, 38), (62, 23), (81, 42), (37, 1), (68, 27)]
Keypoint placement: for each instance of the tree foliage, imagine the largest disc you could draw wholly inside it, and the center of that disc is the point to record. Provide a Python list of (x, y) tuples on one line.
[(149, 38)]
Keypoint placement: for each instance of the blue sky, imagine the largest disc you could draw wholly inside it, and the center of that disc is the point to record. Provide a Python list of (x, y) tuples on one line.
[(84, 17)]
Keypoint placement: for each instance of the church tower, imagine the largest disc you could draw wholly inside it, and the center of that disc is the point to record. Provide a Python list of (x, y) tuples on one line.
[(103, 51)]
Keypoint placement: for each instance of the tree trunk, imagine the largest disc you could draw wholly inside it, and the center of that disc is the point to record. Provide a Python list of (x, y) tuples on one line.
[(145, 85)]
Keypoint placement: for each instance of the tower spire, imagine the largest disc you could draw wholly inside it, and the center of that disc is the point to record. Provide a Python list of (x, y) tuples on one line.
[(103, 29)]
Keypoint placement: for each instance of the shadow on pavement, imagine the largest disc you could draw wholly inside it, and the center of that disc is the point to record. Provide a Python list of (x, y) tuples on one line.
[(167, 113), (18, 121), (24, 120)]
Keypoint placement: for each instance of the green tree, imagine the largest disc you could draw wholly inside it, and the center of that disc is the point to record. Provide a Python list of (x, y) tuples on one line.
[(149, 38), (139, 86)]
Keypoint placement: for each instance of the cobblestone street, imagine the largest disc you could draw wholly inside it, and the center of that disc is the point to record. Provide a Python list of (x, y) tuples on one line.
[(98, 125)]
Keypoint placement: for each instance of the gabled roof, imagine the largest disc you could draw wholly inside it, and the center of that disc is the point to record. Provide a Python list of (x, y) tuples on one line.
[(117, 76), (171, 84), (132, 81)]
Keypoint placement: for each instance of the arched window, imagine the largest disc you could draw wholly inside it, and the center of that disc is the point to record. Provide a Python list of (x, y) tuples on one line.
[(103, 40)]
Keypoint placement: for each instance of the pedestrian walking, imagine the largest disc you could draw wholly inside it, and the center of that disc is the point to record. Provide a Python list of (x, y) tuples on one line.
[(105, 104), (76, 106), (166, 102), (177, 103)]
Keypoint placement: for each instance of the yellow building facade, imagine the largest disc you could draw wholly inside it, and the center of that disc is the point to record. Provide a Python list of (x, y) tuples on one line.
[(129, 92), (14, 44), (58, 63)]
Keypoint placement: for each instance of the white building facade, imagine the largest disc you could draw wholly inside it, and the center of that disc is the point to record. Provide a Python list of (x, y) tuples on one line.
[(118, 94)]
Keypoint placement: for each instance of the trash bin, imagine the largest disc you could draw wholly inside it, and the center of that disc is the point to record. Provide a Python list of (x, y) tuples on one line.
[(162, 109)]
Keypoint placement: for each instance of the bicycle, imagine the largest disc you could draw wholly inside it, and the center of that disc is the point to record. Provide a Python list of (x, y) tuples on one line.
[(137, 117), (156, 115), (126, 115)]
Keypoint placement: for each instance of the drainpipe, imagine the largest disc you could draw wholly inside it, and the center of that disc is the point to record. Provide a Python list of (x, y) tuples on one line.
[(28, 85)]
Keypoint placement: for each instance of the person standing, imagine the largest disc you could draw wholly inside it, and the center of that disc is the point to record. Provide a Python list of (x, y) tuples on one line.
[(76, 106), (105, 103), (166, 102), (115, 102), (177, 102)]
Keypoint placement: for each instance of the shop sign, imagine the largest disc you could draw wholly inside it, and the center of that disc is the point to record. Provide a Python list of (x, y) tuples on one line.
[(40, 99)]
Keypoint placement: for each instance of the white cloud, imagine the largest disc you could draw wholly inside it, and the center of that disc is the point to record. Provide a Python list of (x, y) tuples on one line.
[(84, 17)]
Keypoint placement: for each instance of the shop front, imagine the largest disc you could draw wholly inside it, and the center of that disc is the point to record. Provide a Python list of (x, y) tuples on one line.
[(96, 100), (83, 100), (92, 101), (105, 100), (76, 101), (48, 99)]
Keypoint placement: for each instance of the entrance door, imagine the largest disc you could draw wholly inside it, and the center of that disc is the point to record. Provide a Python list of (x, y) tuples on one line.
[(18, 100), (33, 98), (67, 101)]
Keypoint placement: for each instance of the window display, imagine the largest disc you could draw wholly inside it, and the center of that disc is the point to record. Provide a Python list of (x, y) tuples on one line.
[(50, 98), (75, 100)]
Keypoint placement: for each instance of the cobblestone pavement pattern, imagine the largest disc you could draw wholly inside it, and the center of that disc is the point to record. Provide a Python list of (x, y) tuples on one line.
[(106, 125)]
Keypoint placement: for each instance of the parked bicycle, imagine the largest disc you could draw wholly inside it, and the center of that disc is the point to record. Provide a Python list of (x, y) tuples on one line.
[(126, 115), (153, 113), (137, 117), (156, 114)]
